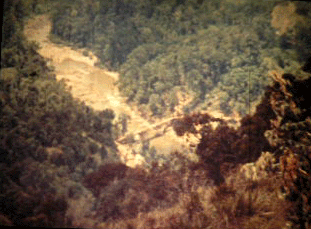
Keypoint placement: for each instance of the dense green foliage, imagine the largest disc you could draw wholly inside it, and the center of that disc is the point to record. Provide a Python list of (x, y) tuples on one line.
[(218, 51), (48, 140)]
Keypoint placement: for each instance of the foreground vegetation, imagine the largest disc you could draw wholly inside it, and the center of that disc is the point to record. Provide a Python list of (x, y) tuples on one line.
[(59, 166), (49, 141)]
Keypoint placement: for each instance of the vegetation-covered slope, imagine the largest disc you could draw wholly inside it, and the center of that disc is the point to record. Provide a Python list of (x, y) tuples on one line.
[(215, 51), (261, 171), (48, 140), (58, 165)]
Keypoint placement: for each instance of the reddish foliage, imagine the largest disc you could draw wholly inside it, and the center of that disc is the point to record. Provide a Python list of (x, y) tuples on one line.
[(215, 148), (159, 183), (52, 210), (251, 141), (137, 190), (225, 144), (104, 176), (188, 122)]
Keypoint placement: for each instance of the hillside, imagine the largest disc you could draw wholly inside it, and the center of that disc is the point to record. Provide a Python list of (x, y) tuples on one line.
[(215, 52), (76, 153)]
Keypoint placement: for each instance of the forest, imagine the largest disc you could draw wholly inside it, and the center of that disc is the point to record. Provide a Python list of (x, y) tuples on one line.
[(200, 47), (59, 160)]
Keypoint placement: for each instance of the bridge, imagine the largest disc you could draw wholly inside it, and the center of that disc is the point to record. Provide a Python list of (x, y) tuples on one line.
[(153, 131)]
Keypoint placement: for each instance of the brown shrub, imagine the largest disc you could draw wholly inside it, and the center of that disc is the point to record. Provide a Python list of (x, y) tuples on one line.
[(241, 203), (137, 191), (104, 176), (237, 203)]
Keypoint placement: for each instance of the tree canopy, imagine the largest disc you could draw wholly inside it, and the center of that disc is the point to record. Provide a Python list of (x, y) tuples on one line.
[(198, 45)]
